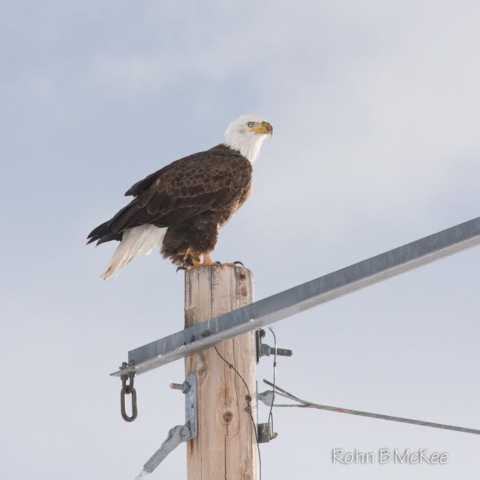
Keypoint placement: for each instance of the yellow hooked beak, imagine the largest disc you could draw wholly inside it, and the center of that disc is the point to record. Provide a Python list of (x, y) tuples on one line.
[(262, 128)]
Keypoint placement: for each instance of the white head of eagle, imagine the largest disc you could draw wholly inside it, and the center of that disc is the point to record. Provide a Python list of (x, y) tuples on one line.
[(247, 134), (180, 208)]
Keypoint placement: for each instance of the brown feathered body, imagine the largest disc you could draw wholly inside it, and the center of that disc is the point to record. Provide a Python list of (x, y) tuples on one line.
[(190, 198)]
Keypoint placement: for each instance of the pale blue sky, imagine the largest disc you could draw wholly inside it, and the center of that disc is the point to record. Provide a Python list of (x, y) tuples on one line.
[(375, 112)]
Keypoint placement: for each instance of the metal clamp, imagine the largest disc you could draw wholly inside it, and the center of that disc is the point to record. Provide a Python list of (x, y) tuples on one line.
[(265, 433), (264, 350), (128, 389), (179, 433)]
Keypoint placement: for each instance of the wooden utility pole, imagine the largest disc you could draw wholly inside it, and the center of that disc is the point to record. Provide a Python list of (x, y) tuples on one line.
[(225, 446)]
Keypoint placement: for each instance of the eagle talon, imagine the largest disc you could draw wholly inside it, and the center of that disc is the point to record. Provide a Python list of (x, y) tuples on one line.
[(238, 262), (180, 268)]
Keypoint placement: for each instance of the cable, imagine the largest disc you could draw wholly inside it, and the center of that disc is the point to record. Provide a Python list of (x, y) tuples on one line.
[(249, 408), (307, 404)]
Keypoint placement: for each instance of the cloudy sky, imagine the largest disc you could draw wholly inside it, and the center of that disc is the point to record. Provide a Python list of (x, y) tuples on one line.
[(375, 109)]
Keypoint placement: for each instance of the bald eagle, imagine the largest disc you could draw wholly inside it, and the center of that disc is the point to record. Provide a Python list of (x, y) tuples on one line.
[(180, 208)]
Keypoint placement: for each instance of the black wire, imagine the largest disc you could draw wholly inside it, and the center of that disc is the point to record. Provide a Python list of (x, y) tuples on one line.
[(249, 408)]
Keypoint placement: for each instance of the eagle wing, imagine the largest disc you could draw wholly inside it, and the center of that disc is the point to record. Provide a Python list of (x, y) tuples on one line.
[(140, 187), (213, 180)]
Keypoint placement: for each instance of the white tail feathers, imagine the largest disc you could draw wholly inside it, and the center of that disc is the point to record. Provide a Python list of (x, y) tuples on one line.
[(135, 242)]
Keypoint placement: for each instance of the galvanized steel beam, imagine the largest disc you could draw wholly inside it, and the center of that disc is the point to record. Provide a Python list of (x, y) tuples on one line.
[(305, 296)]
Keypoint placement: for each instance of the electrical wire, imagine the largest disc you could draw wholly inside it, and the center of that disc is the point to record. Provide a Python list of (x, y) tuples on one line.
[(248, 409), (306, 404)]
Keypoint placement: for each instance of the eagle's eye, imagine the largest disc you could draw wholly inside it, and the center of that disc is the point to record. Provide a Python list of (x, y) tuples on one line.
[(250, 124)]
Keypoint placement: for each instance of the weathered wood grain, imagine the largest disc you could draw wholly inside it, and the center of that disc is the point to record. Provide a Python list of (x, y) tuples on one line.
[(225, 447)]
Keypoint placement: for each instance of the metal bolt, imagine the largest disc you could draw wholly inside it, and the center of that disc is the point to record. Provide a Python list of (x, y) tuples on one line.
[(176, 386), (184, 387)]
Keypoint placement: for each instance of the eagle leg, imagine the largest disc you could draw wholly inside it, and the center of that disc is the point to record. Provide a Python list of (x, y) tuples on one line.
[(192, 259), (196, 262), (202, 260), (186, 260)]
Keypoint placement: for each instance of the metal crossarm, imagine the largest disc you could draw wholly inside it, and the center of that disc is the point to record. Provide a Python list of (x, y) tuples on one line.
[(304, 296)]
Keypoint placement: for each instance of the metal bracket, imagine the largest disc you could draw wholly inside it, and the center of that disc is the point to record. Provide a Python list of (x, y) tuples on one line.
[(264, 350), (265, 433), (267, 397), (179, 433)]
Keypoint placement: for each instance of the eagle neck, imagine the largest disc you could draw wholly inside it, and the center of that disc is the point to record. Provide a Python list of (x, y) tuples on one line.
[(249, 147)]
